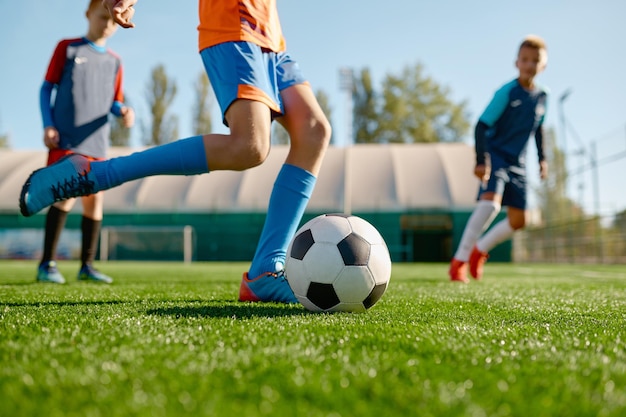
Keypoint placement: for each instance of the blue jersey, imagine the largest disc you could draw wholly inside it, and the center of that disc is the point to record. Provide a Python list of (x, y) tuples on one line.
[(513, 116)]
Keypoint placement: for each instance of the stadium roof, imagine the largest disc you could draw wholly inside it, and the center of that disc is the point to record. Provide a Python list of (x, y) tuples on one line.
[(361, 178)]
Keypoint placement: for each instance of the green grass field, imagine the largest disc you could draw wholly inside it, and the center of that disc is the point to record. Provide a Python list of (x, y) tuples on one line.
[(169, 339)]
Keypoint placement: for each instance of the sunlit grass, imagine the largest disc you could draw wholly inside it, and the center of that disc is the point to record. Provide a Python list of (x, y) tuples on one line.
[(169, 339)]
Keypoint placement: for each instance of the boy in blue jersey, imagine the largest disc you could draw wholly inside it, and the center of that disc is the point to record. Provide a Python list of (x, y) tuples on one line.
[(255, 81), (515, 113), (86, 79)]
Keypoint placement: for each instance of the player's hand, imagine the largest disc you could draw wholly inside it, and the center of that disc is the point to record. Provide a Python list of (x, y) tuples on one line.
[(543, 170), (128, 116), (51, 137), (122, 11), (482, 172)]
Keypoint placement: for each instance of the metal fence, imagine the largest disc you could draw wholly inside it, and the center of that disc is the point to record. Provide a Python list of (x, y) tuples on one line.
[(593, 240)]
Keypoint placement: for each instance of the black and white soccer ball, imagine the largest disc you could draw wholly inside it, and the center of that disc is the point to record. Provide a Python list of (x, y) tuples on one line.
[(338, 262)]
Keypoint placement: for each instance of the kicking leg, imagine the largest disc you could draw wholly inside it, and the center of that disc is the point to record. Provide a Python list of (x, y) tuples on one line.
[(309, 132)]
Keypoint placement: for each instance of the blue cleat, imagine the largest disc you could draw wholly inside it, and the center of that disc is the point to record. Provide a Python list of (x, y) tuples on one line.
[(48, 272), (89, 273), (270, 286), (69, 177)]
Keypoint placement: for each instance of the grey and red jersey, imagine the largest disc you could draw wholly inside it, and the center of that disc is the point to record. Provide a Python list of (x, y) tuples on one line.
[(87, 82)]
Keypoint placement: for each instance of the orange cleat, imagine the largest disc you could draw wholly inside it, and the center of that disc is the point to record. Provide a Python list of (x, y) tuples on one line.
[(476, 262), (458, 271)]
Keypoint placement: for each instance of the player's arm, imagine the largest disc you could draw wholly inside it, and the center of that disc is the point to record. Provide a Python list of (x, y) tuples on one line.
[(481, 170), (52, 78), (539, 142), (45, 103), (50, 133), (122, 11), (118, 108), (543, 164), (488, 119)]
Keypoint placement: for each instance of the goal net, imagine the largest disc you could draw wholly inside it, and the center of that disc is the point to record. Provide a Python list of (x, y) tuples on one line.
[(148, 243)]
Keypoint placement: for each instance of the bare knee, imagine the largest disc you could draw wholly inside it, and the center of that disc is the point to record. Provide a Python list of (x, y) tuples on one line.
[(249, 152), (318, 133), (517, 219), (309, 141)]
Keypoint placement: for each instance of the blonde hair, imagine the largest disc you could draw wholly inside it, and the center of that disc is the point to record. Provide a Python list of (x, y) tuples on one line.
[(94, 3), (536, 42)]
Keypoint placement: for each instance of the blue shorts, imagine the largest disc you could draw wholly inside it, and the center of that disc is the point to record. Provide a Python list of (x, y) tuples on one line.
[(243, 70), (506, 180)]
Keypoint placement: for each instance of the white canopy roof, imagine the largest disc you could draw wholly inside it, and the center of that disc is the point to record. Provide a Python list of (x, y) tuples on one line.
[(357, 178)]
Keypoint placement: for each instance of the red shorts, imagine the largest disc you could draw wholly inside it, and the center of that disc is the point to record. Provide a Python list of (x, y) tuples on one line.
[(55, 154)]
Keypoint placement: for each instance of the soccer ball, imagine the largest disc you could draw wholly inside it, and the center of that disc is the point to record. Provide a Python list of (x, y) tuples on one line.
[(338, 262)]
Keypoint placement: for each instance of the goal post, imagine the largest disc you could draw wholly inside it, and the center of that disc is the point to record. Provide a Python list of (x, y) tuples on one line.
[(148, 243)]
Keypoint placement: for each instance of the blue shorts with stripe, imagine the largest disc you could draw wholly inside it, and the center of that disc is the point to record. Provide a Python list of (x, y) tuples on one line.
[(506, 180), (245, 70)]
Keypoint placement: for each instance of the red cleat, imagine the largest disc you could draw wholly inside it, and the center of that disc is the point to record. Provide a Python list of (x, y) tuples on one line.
[(476, 262), (458, 271)]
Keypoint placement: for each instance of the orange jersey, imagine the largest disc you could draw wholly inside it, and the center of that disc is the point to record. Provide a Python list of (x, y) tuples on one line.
[(254, 21)]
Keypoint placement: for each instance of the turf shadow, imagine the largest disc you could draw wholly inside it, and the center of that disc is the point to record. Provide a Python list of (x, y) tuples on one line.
[(231, 311), (63, 303)]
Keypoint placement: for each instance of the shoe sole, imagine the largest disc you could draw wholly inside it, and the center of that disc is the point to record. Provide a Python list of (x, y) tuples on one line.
[(49, 281), (88, 279)]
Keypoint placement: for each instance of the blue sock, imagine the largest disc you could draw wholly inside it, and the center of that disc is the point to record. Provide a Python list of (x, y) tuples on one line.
[(183, 157), (291, 193)]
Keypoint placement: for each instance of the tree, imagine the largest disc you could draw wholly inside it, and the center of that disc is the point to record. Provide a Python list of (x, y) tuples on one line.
[(552, 193), (202, 108), (619, 222), (417, 109), (160, 94), (280, 135), (120, 134), (4, 139), (365, 109), (412, 108)]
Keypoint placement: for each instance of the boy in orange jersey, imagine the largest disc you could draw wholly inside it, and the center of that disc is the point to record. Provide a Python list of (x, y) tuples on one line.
[(86, 79), (515, 113), (255, 81)]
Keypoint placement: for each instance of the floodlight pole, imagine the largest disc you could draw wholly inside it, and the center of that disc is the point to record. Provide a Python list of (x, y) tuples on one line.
[(563, 122), (346, 84)]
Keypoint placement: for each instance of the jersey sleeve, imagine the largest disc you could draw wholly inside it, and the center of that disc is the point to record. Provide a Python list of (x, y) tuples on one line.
[(496, 106), (57, 63), (119, 78), (45, 97), (541, 156), (118, 94)]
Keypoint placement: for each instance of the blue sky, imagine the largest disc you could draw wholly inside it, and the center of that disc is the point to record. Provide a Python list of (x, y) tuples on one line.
[(469, 47)]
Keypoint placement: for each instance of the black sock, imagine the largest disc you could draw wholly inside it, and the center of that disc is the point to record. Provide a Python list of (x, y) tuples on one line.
[(55, 222), (91, 233)]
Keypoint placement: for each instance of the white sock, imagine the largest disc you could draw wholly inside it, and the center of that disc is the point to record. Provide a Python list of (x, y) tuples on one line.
[(498, 234), (481, 218)]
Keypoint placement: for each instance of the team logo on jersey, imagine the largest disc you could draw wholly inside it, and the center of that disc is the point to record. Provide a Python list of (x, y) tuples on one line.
[(516, 103), (80, 60)]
